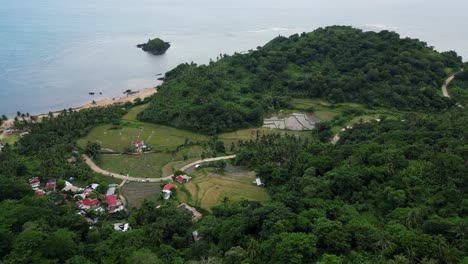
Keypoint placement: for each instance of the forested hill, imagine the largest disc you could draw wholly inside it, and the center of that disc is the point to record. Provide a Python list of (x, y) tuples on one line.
[(336, 63)]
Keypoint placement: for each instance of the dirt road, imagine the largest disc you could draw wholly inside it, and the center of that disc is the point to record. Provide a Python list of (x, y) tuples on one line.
[(95, 168), (446, 83)]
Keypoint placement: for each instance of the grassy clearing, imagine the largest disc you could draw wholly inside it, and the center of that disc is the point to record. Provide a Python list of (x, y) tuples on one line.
[(147, 165), (208, 188), (158, 137), (163, 140), (132, 114), (10, 139), (136, 192)]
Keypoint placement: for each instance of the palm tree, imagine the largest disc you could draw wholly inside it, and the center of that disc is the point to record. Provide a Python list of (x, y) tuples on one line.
[(386, 245), (252, 248)]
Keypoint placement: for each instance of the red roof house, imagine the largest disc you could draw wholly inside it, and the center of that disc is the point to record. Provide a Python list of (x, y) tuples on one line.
[(40, 193), (51, 184), (111, 200), (169, 186), (183, 178), (139, 144), (90, 202), (34, 180)]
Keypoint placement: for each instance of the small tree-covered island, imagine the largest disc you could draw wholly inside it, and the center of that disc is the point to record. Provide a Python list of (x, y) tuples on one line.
[(155, 46), (210, 169)]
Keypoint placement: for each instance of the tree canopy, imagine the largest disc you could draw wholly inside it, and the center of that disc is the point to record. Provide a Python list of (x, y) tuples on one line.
[(337, 63)]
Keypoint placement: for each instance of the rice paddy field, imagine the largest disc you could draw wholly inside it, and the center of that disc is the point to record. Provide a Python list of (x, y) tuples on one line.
[(136, 192), (209, 187)]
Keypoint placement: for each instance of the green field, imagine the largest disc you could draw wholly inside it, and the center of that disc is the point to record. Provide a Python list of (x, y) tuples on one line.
[(9, 139), (165, 141), (136, 192), (147, 165), (158, 137), (209, 187)]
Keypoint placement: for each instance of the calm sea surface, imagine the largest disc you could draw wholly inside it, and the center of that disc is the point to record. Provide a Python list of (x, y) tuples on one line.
[(53, 52)]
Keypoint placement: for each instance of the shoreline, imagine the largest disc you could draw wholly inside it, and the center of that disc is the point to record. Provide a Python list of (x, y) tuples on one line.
[(99, 103)]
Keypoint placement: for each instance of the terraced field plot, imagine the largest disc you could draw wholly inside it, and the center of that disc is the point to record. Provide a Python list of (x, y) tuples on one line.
[(294, 121), (208, 188)]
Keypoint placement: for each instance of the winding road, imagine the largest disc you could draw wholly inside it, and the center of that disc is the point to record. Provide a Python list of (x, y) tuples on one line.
[(95, 168), (446, 83), (336, 138)]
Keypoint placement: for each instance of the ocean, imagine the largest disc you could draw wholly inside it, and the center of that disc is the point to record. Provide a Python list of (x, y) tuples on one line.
[(54, 52)]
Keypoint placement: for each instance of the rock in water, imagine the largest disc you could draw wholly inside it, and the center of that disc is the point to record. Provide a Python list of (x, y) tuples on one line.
[(155, 46)]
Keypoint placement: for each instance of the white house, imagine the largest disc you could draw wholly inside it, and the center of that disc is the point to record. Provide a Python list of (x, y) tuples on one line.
[(259, 182)]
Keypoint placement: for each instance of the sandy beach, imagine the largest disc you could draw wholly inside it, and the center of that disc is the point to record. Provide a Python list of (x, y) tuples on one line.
[(108, 101)]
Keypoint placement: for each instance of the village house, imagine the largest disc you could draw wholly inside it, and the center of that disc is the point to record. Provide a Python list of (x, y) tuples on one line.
[(167, 190), (87, 204), (93, 186), (183, 178), (259, 182), (35, 183), (140, 146), (72, 160), (123, 227), (51, 184), (112, 202), (110, 191), (70, 188), (196, 216), (196, 235)]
